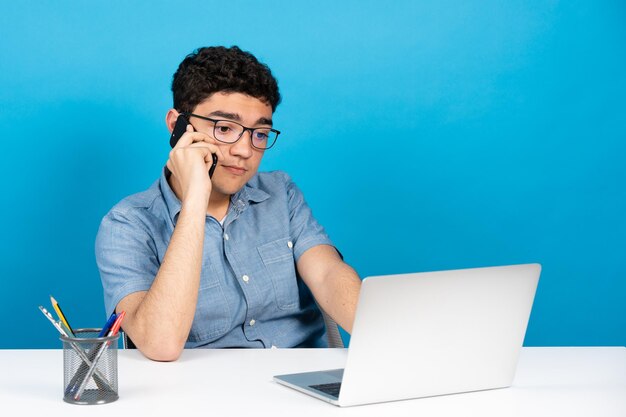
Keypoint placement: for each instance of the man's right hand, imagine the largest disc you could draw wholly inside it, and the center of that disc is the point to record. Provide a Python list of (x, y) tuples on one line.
[(189, 162)]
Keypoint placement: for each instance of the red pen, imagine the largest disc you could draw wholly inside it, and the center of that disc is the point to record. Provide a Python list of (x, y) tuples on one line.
[(118, 323)]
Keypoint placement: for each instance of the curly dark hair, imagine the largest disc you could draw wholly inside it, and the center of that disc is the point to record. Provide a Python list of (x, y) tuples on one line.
[(216, 68)]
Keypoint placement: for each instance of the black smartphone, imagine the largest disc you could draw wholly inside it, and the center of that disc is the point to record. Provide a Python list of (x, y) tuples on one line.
[(179, 129)]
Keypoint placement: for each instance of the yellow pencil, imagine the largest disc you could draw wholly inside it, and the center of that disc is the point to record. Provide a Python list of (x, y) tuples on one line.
[(57, 308)]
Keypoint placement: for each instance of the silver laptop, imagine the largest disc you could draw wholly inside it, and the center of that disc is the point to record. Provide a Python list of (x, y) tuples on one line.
[(433, 333)]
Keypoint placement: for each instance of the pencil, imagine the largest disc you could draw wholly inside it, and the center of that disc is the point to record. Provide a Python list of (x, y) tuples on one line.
[(62, 317)]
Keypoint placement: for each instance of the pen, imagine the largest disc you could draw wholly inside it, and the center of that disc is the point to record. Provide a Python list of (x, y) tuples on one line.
[(54, 323), (100, 380), (107, 325), (114, 329), (65, 329), (118, 323), (57, 308)]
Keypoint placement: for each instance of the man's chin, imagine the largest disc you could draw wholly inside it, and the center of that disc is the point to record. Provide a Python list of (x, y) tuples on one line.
[(228, 189)]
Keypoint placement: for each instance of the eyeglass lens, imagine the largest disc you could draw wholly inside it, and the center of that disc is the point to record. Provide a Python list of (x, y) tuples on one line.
[(230, 132)]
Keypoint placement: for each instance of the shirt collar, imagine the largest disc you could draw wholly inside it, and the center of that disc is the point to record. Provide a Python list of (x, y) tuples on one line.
[(250, 193), (239, 200), (242, 198)]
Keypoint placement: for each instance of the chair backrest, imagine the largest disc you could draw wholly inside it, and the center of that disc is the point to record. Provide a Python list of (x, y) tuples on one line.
[(332, 334), (126, 342)]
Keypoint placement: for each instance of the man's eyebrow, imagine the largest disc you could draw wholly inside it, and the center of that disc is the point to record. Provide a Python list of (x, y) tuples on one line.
[(237, 118), (264, 121), (226, 115)]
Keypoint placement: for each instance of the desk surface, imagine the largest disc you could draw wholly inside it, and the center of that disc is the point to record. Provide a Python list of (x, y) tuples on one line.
[(549, 382)]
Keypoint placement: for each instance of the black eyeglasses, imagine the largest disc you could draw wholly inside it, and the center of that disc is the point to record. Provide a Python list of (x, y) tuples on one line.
[(228, 131)]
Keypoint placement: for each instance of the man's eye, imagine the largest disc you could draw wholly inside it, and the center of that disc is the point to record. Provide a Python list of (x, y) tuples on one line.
[(261, 135), (223, 129)]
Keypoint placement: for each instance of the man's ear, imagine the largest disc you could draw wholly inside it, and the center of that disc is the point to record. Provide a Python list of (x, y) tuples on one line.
[(170, 119)]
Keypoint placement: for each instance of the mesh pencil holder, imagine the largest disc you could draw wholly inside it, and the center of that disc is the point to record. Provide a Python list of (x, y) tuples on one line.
[(89, 367)]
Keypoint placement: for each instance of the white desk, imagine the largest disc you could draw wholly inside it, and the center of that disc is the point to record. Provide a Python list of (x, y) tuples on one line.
[(549, 382)]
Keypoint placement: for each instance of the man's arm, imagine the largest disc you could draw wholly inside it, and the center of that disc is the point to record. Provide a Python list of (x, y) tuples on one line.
[(159, 320), (334, 284)]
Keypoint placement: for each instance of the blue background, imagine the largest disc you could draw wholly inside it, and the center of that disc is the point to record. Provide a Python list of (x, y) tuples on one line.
[(425, 135)]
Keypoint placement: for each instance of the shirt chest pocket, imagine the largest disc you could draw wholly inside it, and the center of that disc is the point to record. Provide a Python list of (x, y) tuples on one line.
[(278, 261), (213, 315)]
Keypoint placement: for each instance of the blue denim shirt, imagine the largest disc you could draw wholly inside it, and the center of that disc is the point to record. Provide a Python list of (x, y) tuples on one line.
[(250, 293)]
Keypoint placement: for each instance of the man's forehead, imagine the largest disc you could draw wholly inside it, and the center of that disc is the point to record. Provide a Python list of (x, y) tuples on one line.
[(236, 106)]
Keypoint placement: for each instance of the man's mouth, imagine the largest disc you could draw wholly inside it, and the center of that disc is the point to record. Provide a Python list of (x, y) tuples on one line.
[(234, 170)]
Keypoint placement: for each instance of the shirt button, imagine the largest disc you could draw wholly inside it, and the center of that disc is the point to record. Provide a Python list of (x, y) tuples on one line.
[(290, 244), (245, 278), (225, 236), (252, 322)]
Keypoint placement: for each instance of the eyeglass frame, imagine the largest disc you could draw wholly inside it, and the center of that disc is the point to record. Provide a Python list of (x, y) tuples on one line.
[(251, 129)]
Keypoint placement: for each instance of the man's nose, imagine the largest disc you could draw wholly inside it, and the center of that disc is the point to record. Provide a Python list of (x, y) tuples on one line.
[(243, 147)]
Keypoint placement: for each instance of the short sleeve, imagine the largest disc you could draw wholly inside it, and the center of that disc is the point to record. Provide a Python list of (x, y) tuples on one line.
[(126, 256), (304, 229)]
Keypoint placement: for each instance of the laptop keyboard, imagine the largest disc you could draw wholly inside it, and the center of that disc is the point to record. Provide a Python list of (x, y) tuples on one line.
[(331, 389)]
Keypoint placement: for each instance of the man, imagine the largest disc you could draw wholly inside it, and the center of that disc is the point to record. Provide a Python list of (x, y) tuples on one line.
[(235, 260)]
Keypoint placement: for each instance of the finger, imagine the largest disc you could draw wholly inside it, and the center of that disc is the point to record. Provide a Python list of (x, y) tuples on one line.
[(213, 146), (206, 150), (192, 136), (180, 155), (220, 155), (214, 149), (201, 149), (203, 136)]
